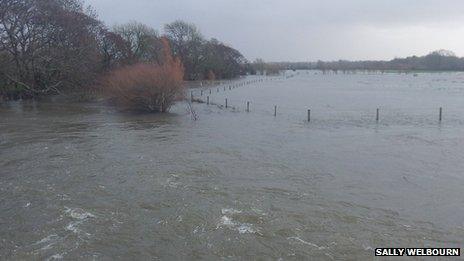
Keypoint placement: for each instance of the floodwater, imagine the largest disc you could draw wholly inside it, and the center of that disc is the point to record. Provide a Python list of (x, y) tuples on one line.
[(84, 181)]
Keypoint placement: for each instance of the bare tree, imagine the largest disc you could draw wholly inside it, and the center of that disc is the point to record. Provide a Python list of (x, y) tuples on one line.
[(142, 42), (203, 58), (47, 46), (114, 50), (187, 44), (50, 44), (222, 60)]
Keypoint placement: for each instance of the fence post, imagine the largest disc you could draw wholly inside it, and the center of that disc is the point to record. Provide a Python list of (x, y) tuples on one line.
[(309, 115), (440, 114), (275, 110), (191, 96), (377, 115), (201, 92), (226, 103), (207, 100), (248, 106)]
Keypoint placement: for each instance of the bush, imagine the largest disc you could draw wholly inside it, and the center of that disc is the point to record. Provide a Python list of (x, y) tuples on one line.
[(147, 87)]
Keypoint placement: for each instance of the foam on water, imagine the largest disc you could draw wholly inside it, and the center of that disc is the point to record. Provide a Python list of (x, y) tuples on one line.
[(242, 228), (246, 228), (55, 257), (48, 242), (228, 221), (80, 217), (78, 213), (230, 211), (73, 227), (47, 239), (307, 243)]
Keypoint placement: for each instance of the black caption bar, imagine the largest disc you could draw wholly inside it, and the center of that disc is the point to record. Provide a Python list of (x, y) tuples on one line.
[(418, 251)]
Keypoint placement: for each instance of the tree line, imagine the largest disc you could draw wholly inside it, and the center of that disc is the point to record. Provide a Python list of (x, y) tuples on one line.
[(441, 60), (50, 46)]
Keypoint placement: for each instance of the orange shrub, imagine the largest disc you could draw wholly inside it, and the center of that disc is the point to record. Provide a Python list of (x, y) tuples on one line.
[(147, 87)]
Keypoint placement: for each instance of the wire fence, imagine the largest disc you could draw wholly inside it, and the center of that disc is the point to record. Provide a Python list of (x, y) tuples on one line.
[(208, 94)]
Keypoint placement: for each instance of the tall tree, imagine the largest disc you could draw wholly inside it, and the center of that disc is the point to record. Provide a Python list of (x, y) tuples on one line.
[(187, 44), (142, 41), (49, 43), (222, 60), (203, 59)]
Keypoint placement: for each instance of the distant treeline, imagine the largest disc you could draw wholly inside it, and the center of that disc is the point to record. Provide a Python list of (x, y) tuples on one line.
[(47, 46), (441, 60)]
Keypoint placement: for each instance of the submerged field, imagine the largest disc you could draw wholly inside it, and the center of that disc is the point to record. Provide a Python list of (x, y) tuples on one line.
[(85, 181)]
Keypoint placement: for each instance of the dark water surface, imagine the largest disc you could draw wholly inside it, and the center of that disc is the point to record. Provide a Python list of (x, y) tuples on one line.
[(83, 181)]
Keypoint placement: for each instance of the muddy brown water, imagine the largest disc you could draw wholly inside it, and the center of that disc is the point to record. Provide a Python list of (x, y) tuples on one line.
[(84, 181)]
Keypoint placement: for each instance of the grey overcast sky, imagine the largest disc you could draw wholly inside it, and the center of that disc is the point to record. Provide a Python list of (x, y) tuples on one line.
[(307, 30)]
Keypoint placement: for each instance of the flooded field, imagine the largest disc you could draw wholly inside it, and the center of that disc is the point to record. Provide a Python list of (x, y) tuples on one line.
[(84, 181)]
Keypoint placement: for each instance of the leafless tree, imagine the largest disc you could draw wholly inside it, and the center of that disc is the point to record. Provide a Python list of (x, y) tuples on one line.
[(187, 44), (143, 42), (49, 44)]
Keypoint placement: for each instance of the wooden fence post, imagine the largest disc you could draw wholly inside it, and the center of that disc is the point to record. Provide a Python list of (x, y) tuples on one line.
[(440, 114)]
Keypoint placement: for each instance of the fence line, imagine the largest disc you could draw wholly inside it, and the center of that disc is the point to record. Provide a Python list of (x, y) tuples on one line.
[(232, 85), (247, 108)]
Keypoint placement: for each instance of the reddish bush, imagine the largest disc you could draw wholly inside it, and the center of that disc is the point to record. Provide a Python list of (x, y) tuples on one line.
[(147, 87)]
